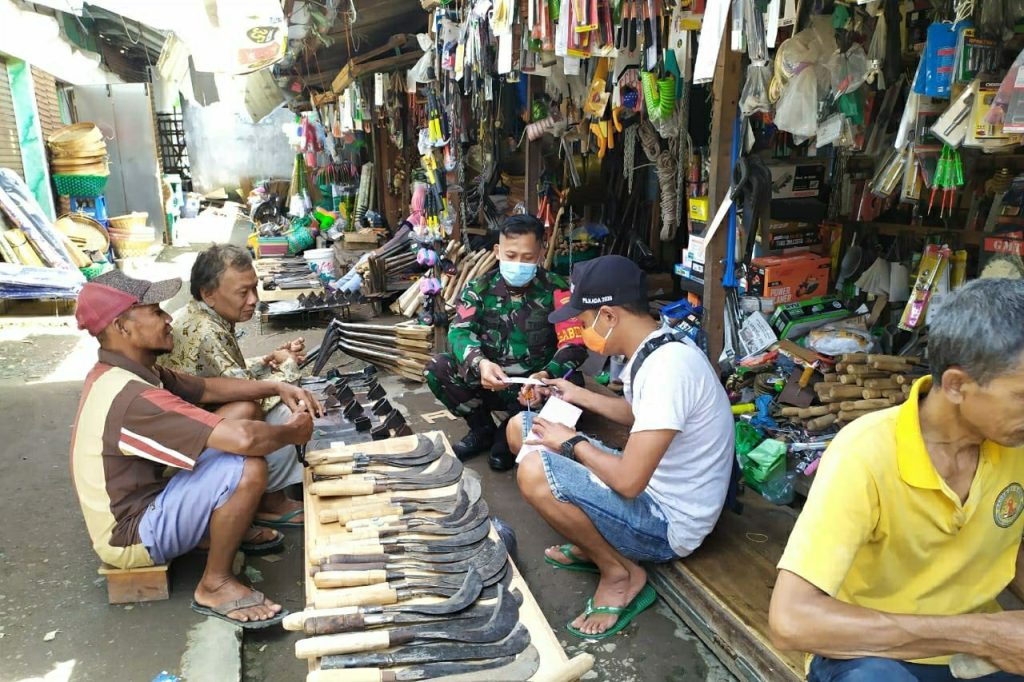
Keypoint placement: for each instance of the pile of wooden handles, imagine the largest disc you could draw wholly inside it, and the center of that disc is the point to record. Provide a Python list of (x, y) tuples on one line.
[(470, 264), (861, 384)]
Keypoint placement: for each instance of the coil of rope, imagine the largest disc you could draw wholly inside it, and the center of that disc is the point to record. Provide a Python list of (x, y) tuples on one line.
[(665, 167)]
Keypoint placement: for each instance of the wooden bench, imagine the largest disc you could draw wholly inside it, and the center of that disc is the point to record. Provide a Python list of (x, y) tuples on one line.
[(722, 590), (131, 585)]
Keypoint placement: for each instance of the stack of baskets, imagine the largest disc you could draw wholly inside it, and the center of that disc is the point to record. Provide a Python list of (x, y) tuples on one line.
[(130, 236), (78, 157)]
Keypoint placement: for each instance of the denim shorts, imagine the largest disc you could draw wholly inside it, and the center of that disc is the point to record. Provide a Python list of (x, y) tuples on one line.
[(636, 528), (179, 517)]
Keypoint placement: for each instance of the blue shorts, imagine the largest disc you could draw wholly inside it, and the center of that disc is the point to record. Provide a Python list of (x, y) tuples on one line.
[(179, 517), (871, 669), (636, 528)]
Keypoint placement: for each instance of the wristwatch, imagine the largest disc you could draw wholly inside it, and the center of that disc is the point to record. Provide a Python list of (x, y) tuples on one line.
[(568, 448)]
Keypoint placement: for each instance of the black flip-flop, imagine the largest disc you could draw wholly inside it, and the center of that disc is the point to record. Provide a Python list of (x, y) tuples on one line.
[(254, 548), (254, 598)]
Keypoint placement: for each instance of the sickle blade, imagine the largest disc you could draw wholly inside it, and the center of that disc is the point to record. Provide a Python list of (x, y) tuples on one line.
[(513, 645)]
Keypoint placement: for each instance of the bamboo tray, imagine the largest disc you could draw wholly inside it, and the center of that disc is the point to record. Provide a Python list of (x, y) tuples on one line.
[(555, 666)]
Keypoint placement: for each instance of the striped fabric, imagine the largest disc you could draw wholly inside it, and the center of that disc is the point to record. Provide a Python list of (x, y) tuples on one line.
[(133, 422)]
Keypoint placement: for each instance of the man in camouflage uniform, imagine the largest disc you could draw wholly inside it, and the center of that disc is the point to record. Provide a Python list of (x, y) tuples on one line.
[(501, 330)]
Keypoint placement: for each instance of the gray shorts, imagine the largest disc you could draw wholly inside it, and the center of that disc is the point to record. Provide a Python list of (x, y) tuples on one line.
[(179, 517)]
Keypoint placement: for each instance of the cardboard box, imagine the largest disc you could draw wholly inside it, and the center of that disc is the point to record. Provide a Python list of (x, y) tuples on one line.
[(789, 278), (791, 237), (1001, 257), (797, 180), (793, 320)]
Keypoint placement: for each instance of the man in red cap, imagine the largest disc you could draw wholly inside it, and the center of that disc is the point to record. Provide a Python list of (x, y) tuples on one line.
[(135, 419)]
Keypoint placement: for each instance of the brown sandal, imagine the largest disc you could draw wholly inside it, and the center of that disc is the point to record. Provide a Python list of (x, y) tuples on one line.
[(254, 598)]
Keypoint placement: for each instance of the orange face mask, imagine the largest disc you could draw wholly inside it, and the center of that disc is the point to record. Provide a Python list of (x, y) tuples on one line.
[(593, 340)]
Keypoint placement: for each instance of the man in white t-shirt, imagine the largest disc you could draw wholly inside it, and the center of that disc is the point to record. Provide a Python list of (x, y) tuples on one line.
[(660, 497)]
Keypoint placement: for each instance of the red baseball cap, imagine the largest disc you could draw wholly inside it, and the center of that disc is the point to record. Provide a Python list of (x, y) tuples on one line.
[(104, 298)]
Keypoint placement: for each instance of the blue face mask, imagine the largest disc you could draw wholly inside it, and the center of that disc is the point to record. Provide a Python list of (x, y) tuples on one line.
[(517, 274)]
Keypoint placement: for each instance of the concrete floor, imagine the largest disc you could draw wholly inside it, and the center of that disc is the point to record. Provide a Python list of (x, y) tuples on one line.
[(48, 579)]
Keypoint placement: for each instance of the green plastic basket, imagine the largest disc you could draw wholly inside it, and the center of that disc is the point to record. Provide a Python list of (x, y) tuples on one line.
[(80, 185), (95, 270)]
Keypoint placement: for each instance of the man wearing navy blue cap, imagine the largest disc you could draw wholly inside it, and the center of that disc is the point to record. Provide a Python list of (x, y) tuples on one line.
[(659, 497)]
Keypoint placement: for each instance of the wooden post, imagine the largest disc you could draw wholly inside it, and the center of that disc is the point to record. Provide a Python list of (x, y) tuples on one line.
[(726, 91), (534, 161)]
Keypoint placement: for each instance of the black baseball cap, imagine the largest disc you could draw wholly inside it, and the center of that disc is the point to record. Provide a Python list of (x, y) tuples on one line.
[(608, 280)]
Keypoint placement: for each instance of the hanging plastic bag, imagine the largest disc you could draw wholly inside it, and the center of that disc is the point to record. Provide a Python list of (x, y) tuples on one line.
[(996, 115), (797, 109), (848, 70), (754, 97), (991, 19)]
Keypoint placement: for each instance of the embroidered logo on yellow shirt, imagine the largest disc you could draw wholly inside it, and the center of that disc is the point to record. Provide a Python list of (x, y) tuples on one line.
[(1009, 505)]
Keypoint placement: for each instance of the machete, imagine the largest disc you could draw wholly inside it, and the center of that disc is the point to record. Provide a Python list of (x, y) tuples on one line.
[(447, 473), (423, 446), (387, 530), (442, 525), (363, 462), (513, 645), (504, 668), (387, 594), (462, 507), (519, 669), (399, 556), (353, 577), (495, 626), (354, 619), (484, 555), (389, 504), (330, 472), (443, 583), (436, 545)]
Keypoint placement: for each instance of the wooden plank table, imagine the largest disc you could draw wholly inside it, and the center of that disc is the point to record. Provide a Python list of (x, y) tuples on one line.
[(555, 666)]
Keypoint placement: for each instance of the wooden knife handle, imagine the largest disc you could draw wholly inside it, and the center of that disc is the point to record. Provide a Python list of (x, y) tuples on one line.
[(349, 578), (385, 519), (369, 595), (348, 643), (349, 536), (328, 456), (331, 625), (343, 487), (295, 622), (320, 553), (368, 511), (334, 469), (351, 566), (352, 675)]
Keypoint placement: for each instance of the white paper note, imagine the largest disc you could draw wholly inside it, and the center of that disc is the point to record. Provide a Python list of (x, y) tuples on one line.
[(554, 410), (525, 380)]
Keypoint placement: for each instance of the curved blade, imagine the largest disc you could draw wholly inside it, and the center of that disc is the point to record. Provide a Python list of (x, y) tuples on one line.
[(410, 471), (471, 522), (471, 588), (443, 544), (469, 518), (423, 446), (521, 667), (448, 473), (503, 618), (512, 645)]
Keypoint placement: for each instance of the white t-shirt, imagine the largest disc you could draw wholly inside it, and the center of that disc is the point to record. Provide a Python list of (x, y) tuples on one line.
[(676, 388)]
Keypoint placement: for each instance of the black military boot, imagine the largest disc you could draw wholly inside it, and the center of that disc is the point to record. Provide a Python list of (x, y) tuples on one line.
[(479, 438), (501, 457)]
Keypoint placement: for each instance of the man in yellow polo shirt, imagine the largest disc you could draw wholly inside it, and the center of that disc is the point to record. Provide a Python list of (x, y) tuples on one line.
[(913, 524)]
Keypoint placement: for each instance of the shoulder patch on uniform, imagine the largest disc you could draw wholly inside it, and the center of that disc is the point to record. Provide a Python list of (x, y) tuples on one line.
[(1009, 505), (465, 312)]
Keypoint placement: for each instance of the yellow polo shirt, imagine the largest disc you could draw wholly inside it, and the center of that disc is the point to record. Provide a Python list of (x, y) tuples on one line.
[(881, 529)]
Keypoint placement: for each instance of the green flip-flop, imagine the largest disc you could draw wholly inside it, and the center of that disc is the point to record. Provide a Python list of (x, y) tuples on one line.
[(283, 521), (641, 601), (575, 563)]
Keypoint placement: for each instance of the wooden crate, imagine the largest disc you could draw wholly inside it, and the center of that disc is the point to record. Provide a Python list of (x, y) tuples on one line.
[(555, 666), (131, 585)]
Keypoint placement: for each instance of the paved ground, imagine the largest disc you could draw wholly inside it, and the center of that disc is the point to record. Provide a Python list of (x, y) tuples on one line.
[(48, 581)]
